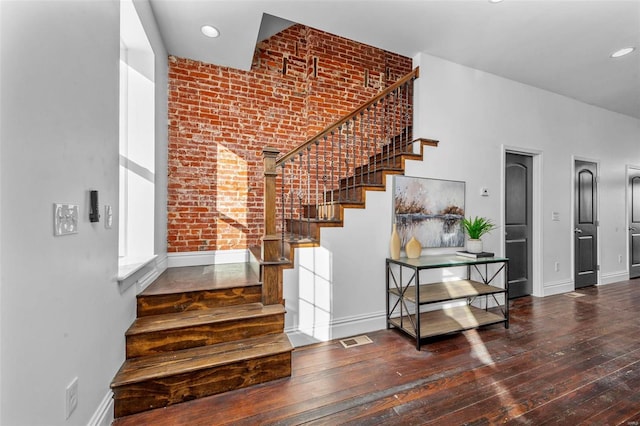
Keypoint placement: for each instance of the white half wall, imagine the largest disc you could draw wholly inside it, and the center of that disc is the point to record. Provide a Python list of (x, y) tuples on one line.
[(338, 289)]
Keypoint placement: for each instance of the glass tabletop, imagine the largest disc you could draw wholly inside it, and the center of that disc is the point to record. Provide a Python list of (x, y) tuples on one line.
[(444, 260)]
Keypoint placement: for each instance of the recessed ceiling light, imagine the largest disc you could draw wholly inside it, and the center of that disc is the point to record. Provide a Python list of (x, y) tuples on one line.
[(495, 1), (622, 52), (210, 31)]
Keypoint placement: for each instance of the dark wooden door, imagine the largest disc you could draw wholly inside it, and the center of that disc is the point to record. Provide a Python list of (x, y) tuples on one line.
[(518, 214), (586, 224), (634, 224)]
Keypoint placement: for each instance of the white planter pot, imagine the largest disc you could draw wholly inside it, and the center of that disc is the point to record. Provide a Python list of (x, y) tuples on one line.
[(474, 246)]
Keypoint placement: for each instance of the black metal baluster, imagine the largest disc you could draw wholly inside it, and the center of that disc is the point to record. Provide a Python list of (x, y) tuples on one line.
[(300, 196), (368, 142), (361, 162), (410, 102), (308, 198), (317, 161), (284, 201), (408, 120), (405, 114), (385, 117), (395, 121), (324, 181), (291, 174), (339, 163), (346, 160), (354, 157), (376, 133), (331, 169)]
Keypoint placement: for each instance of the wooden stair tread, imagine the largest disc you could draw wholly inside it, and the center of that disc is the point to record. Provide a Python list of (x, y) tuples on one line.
[(202, 316), (188, 360), (205, 277)]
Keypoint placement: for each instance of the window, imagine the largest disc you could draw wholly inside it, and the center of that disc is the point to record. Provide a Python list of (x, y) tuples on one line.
[(137, 144)]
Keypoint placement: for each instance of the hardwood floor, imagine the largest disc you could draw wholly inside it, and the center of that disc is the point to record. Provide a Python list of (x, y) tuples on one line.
[(564, 360)]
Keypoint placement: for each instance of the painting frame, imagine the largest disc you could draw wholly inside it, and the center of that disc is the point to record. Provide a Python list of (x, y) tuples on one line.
[(431, 210)]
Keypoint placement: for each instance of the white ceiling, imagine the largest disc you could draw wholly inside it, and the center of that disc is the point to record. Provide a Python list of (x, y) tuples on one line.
[(558, 45)]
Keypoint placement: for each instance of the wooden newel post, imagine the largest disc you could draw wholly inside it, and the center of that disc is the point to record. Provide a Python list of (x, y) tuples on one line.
[(271, 273)]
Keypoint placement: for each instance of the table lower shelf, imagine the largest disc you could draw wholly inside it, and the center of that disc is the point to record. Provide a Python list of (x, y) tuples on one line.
[(449, 320)]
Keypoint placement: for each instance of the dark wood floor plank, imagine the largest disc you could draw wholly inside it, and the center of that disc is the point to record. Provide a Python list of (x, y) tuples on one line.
[(564, 360), (465, 393)]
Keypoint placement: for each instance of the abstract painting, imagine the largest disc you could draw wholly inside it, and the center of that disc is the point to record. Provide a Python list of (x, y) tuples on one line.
[(431, 210)]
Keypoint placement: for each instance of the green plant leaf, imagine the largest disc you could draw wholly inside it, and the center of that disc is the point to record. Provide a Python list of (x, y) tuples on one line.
[(477, 227)]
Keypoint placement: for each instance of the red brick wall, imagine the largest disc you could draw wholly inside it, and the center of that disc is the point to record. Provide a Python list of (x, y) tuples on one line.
[(220, 119)]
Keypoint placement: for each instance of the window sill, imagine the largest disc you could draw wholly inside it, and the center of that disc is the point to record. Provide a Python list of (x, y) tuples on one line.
[(135, 270)]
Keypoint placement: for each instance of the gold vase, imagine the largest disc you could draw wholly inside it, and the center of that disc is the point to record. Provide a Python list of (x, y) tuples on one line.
[(394, 244), (413, 248)]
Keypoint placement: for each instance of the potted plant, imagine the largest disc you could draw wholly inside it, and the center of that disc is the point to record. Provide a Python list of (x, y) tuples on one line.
[(475, 228)]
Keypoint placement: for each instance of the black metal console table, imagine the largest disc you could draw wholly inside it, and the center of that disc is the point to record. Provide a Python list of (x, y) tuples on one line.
[(405, 296)]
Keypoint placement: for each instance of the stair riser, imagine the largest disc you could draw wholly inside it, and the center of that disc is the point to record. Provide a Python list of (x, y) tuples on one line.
[(208, 334), (135, 398), (172, 303), (371, 178)]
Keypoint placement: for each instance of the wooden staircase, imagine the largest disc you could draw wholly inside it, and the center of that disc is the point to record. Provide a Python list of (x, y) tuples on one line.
[(200, 331), (305, 232), (210, 329)]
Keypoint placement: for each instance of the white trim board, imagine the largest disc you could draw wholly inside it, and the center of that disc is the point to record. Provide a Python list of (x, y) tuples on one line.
[(103, 416), (211, 257), (558, 287), (614, 277), (337, 329)]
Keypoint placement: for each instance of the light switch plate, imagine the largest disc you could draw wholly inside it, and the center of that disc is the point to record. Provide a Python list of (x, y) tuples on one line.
[(65, 219), (108, 214)]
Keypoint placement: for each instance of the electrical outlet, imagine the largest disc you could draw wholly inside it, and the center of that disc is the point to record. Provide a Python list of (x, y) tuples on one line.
[(619, 258), (557, 266), (71, 397)]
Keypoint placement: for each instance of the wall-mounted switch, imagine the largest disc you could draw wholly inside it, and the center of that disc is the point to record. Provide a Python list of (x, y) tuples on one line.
[(65, 219), (484, 192), (108, 216), (94, 211)]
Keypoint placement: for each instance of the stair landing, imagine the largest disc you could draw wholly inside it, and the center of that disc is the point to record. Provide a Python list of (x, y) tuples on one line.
[(205, 277), (200, 287)]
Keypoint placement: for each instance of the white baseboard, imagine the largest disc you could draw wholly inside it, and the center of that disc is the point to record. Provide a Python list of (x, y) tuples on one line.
[(336, 329), (103, 415), (614, 277), (211, 257), (558, 287)]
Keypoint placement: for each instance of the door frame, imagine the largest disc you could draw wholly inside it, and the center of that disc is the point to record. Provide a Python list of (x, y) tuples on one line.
[(627, 204), (575, 158), (536, 219)]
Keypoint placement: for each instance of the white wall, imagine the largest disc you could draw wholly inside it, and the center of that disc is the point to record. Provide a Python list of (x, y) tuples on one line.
[(338, 289), (474, 113), (62, 314)]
